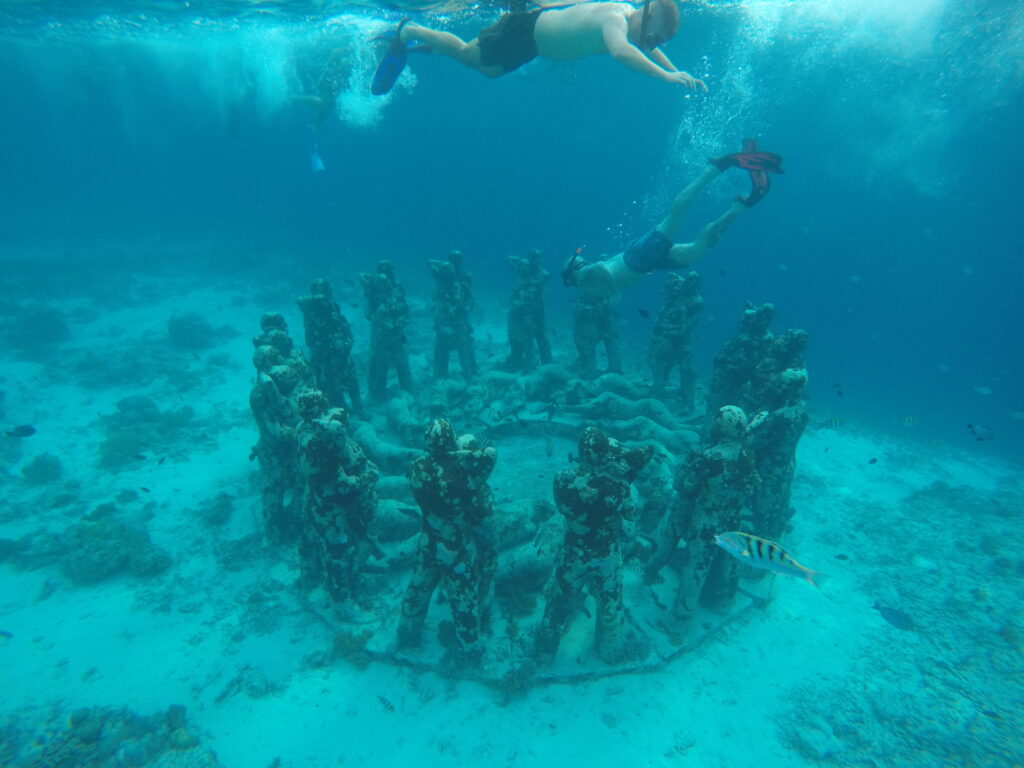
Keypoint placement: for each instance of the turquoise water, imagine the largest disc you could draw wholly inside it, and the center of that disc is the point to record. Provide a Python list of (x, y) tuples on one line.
[(156, 163)]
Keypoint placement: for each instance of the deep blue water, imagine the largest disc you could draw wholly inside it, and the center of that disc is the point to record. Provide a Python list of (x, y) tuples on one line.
[(893, 238)]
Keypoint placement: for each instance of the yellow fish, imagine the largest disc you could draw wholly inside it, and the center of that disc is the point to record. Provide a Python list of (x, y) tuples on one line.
[(763, 554)]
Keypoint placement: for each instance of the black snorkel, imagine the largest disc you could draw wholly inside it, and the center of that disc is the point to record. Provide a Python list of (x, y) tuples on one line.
[(573, 265), (643, 25)]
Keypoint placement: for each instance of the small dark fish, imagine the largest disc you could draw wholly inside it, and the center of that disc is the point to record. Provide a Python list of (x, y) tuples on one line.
[(898, 619), (838, 387), (980, 432), (5, 634), (144, 489), (841, 556), (139, 457), (164, 458), (826, 448), (23, 430), (872, 461), (644, 314), (990, 713), (196, 355), (722, 272), (386, 704)]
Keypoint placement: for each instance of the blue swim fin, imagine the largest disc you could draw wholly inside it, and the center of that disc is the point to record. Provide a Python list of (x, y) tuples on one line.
[(316, 163), (394, 60)]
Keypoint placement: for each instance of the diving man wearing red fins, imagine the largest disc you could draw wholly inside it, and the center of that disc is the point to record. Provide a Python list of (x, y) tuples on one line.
[(655, 251)]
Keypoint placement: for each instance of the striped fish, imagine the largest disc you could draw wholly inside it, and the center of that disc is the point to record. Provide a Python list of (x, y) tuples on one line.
[(763, 554)]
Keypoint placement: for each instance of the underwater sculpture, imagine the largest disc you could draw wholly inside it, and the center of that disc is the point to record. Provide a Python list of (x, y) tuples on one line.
[(765, 375), (774, 442), (527, 325), (594, 496), (672, 337), (337, 529), (329, 339), (449, 483), (712, 487), (388, 313), (453, 301), (282, 373), (593, 325), (274, 346)]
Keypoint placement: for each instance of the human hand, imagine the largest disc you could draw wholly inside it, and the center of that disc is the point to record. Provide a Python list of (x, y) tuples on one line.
[(687, 81)]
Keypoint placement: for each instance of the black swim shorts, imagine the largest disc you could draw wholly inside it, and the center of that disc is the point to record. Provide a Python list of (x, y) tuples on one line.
[(649, 253), (509, 43)]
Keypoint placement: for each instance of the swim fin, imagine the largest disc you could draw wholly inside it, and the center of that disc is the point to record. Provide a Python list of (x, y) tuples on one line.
[(760, 183), (394, 60), (316, 163), (750, 159)]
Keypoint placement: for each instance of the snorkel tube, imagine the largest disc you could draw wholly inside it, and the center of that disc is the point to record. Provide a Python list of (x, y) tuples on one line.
[(643, 22), (573, 265)]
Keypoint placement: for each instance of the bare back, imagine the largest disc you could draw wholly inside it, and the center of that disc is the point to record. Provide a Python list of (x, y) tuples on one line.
[(578, 31)]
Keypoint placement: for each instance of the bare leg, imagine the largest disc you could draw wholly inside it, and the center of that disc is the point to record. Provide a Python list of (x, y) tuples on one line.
[(687, 253), (670, 224), (446, 44)]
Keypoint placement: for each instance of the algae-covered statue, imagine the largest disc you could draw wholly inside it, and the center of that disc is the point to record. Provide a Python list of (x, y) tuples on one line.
[(595, 498), (341, 500), (449, 483), (329, 339), (388, 313), (453, 301), (527, 326), (672, 337), (713, 488)]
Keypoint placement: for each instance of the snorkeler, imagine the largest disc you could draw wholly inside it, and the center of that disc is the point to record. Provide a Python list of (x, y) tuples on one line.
[(331, 82), (655, 251), (629, 35)]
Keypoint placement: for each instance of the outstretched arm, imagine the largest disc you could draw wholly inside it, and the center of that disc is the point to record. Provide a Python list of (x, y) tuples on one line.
[(659, 58), (616, 39)]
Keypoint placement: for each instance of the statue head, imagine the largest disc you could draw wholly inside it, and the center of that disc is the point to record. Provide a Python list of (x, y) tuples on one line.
[(440, 437), (312, 404), (730, 424)]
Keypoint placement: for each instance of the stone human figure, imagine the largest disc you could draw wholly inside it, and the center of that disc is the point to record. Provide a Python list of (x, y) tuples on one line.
[(713, 487), (329, 339), (449, 483), (527, 326), (774, 443), (595, 498), (388, 313), (672, 337), (282, 372), (341, 500), (283, 484), (735, 367), (274, 346), (594, 324), (453, 301)]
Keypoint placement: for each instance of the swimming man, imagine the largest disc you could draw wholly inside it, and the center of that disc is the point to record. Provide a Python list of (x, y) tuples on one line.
[(629, 35), (655, 251)]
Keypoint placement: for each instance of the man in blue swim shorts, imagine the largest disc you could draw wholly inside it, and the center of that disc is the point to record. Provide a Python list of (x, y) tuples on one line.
[(656, 251)]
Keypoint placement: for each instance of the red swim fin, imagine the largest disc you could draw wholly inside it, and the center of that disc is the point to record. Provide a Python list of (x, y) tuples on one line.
[(750, 159)]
